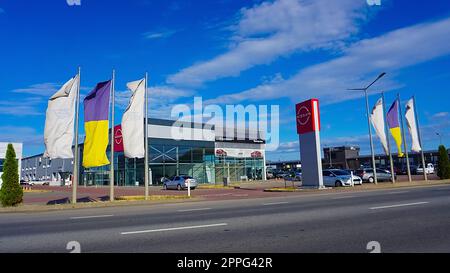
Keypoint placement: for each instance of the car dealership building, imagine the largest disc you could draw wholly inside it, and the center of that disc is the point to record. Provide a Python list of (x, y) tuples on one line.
[(203, 152)]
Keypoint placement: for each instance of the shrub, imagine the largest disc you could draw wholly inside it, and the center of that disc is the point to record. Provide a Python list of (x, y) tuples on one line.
[(11, 193), (443, 163)]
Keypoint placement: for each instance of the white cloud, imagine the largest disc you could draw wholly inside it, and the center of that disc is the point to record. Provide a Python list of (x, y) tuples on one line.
[(273, 29), (441, 115), (41, 89), (291, 149), (27, 135), (161, 99), (159, 34), (23, 107), (438, 123), (358, 65)]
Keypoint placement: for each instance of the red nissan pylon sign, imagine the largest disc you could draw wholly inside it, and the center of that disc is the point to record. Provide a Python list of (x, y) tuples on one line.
[(118, 140), (308, 128), (308, 116)]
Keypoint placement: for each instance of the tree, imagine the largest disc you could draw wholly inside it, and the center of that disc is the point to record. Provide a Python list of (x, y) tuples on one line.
[(443, 163), (11, 193)]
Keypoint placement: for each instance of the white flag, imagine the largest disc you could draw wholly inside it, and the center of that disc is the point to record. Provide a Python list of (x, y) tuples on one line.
[(133, 121), (59, 121), (377, 118), (412, 126)]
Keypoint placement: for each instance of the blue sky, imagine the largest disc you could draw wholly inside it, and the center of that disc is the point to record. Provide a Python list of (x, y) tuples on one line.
[(230, 52)]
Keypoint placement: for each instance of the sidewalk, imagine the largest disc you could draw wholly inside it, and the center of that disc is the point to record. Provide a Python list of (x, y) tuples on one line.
[(46, 195), (51, 198)]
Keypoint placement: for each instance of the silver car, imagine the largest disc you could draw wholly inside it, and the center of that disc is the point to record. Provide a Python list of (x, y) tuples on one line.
[(180, 182), (382, 175), (340, 178)]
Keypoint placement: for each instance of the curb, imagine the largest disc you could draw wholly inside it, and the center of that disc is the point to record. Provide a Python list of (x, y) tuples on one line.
[(98, 204)]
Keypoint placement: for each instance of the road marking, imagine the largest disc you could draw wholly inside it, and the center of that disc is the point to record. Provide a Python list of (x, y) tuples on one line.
[(187, 210), (400, 205), (343, 197), (273, 204), (90, 217), (172, 229)]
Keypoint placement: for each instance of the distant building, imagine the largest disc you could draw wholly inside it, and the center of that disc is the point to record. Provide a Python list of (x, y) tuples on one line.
[(17, 148), (338, 157), (382, 160), (348, 157), (284, 165), (57, 172)]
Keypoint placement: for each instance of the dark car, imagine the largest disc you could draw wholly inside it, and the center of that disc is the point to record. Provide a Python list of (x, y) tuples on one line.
[(293, 176), (280, 174), (404, 169)]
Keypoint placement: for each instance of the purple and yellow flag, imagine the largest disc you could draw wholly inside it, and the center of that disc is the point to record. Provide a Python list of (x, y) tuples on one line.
[(96, 126), (394, 126)]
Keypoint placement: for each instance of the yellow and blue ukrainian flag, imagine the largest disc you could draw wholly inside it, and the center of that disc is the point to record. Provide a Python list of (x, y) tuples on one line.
[(96, 126), (394, 126)]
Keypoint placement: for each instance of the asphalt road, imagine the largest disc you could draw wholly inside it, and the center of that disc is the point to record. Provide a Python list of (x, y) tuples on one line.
[(401, 220)]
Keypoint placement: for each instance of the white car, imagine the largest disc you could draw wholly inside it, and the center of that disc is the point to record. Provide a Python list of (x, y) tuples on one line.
[(39, 183), (429, 169), (340, 178)]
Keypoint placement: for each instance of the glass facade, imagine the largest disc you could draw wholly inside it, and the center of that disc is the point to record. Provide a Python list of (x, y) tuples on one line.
[(169, 158)]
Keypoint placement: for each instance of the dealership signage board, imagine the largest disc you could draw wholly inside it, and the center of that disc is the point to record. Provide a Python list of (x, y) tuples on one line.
[(239, 153), (308, 128)]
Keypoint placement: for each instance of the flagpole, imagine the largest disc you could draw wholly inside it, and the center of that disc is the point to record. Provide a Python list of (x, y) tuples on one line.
[(146, 179), (111, 169), (374, 166), (76, 156), (388, 140), (420, 140), (405, 146)]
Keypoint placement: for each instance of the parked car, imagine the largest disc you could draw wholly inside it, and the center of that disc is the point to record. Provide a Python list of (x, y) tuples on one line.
[(367, 175), (39, 183), (270, 174), (339, 178), (404, 169), (429, 169), (179, 182), (280, 174), (294, 175)]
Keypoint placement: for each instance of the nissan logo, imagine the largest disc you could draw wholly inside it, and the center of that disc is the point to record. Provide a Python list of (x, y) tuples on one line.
[(118, 136), (303, 115)]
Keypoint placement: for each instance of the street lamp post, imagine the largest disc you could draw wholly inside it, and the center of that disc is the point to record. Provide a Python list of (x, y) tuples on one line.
[(440, 138), (331, 162), (368, 123)]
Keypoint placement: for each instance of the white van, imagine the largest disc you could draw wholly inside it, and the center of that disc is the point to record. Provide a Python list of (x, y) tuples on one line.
[(429, 169)]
